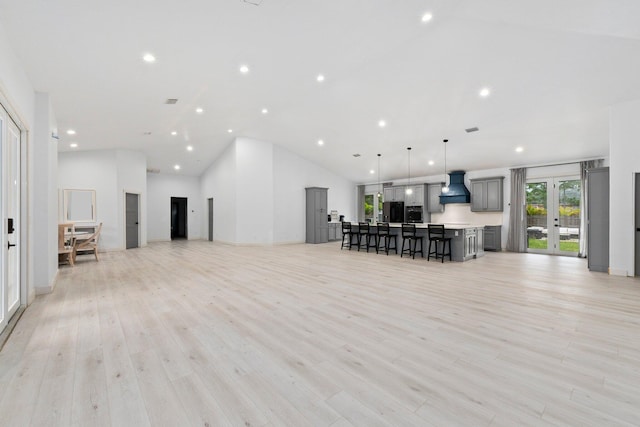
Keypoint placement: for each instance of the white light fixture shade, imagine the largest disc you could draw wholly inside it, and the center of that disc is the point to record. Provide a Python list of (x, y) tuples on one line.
[(409, 191), (445, 188)]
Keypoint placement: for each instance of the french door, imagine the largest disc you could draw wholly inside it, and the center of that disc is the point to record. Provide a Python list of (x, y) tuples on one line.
[(10, 218), (553, 215)]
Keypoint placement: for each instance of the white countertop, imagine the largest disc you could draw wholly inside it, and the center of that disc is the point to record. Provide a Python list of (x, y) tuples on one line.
[(448, 226)]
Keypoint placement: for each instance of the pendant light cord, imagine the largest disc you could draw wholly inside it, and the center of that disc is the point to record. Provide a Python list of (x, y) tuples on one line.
[(379, 184)]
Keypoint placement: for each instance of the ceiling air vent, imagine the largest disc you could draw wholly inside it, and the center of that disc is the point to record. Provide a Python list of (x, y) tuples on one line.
[(473, 129), (356, 155), (171, 101), (153, 170)]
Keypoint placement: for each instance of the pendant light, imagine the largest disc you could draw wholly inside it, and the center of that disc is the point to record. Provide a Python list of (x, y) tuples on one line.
[(445, 187), (409, 190), (379, 185)]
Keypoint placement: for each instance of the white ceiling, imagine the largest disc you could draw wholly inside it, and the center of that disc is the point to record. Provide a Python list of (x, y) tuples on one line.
[(553, 66)]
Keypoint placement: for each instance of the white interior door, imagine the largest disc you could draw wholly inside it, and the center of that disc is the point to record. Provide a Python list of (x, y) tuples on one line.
[(10, 215)]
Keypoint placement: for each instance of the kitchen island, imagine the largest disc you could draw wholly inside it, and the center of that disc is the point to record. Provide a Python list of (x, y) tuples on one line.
[(467, 241)]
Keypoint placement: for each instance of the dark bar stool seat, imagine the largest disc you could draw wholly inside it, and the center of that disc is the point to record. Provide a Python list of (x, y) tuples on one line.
[(383, 233), (372, 234), (348, 234), (436, 236), (363, 232), (409, 235)]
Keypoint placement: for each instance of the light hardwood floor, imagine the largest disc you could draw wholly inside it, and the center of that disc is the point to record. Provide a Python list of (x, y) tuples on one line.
[(204, 334)]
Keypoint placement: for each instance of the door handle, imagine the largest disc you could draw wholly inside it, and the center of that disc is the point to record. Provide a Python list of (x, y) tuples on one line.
[(9, 245)]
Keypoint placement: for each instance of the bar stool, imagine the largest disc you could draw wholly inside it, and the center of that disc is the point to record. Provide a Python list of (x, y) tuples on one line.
[(409, 234), (348, 233), (436, 235), (383, 233), (363, 231), (372, 234)]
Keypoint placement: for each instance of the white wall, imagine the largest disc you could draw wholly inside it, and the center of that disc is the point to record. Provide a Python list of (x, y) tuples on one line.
[(291, 175), (132, 178), (110, 173), (254, 192), (18, 98), (160, 189), (94, 170), (219, 182), (259, 193), (624, 157), (45, 160)]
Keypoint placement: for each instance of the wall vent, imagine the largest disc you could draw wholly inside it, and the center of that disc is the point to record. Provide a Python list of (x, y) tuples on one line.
[(473, 129), (153, 170), (171, 101), (356, 155)]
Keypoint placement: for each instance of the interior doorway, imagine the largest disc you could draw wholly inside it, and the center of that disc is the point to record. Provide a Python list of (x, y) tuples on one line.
[(210, 222), (132, 220), (637, 225), (553, 215), (10, 218), (178, 218)]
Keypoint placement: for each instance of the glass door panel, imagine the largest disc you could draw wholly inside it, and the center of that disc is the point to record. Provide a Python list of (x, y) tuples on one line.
[(537, 216), (553, 215), (568, 214)]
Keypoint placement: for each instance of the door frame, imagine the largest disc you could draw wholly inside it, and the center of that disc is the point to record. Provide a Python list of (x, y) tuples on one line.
[(124, 217), (12, 115), (553, 206), (210, 218), (186, 216)]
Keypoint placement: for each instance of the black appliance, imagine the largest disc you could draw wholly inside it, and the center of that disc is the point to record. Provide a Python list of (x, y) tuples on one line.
[(414, 213), (393, 211)]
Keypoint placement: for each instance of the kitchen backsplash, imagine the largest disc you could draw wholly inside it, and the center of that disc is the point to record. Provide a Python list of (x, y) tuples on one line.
[(461, 213)]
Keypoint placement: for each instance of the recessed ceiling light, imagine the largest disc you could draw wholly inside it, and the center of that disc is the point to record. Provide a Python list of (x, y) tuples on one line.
[(484, 92), (519, 149), (71, 132), (199, 110), (174, 133), (427, 17), (230, 130), (189, 148), (431, 162), (320, 142), (244, 69), (149, 58), (73, 145), (265, 111), (382, 123), (371, 171), (320, 78), (177, 167)]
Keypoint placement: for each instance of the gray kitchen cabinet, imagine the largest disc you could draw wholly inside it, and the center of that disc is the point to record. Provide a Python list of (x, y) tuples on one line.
[(394, 194), (416, 198), (433, 198), (486, 194), (493, 238), (335, 231), (598, 219), (317, 225), (465, 243)]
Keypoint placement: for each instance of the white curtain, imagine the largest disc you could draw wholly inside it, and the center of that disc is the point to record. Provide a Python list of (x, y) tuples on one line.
[(584, 185), (516, 241)]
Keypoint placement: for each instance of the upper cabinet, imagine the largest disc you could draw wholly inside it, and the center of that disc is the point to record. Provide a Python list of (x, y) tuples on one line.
[(394, 194), (416, 198), (433, 197), (486, 194)]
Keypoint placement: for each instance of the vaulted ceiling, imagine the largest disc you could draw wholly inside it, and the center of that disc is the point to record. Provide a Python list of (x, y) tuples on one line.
[(553, 67)]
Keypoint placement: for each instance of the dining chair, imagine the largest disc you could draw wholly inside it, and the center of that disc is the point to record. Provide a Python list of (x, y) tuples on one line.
[(87, 245)]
